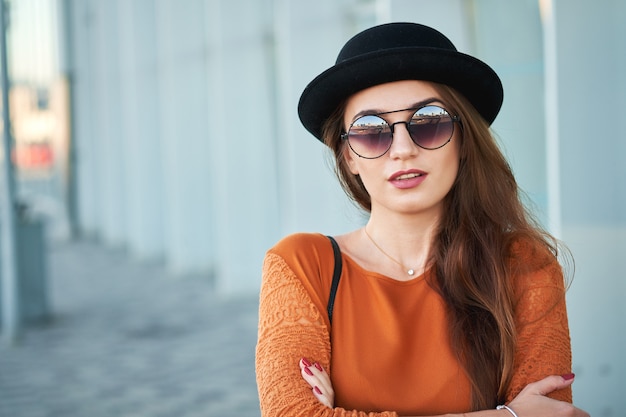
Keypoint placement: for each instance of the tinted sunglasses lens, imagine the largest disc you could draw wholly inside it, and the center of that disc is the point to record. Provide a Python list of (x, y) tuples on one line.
[(431, 127), (369, 136)]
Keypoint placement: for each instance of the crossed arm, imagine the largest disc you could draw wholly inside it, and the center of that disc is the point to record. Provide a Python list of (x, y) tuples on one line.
[(291, 327), (531, 401)]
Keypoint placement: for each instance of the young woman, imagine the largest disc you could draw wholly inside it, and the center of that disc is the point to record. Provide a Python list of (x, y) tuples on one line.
[(450, 300)]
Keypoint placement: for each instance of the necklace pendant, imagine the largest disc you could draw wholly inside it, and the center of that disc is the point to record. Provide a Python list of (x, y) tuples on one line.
[(410, 272)]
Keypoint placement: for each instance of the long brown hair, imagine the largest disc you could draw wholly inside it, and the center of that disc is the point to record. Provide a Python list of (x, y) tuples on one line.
[(483, 221)]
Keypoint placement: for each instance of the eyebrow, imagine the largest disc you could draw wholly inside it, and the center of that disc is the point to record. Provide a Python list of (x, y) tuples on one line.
[(377, 112)]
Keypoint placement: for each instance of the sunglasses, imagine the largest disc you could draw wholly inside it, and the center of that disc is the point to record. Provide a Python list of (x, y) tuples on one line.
[(430, 127)]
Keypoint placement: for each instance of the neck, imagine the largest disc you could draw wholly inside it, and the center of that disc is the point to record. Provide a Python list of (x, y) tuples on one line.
[(405, 238)]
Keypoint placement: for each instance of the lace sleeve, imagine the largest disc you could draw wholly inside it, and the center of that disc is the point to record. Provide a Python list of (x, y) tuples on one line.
[(290, 327), (542, 331)]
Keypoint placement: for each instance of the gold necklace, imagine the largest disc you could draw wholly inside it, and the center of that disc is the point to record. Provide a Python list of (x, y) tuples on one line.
[(409, 271)]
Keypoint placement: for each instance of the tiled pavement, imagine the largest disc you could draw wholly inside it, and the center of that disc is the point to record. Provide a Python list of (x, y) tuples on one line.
[(127, 339)]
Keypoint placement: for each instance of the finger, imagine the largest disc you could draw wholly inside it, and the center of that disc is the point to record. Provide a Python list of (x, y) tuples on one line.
[(309, 376), (550, 383), (315, 368), (322, 397), (314, 377), (323, 377), (306, 372), (305, 363)]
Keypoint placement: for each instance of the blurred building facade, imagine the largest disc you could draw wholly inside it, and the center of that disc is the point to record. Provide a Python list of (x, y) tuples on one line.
[(186, 146)]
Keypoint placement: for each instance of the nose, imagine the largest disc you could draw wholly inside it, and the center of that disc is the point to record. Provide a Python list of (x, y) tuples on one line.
[(402, 145)]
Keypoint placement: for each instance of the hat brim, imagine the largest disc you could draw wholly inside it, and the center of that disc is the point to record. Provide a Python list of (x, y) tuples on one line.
[(468, 75)]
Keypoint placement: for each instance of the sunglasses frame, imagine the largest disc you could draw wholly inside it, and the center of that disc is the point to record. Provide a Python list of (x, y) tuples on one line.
[(345, 136)]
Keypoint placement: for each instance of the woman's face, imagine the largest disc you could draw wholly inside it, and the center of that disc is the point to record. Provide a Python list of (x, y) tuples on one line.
[(407, 179)]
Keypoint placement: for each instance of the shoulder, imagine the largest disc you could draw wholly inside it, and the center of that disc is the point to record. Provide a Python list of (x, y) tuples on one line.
[(530, 255), (301, 244), (309, 255), (301, 259), (533, 265)]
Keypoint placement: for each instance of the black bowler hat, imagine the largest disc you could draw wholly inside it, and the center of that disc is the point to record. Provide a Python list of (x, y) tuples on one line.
[(394, 52)]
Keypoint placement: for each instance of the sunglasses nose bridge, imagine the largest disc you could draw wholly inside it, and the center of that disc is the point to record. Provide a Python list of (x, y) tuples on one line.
[(392, 127), (408, 133)]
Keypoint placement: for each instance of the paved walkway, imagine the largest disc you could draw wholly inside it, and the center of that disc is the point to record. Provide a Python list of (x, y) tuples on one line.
[(127, 339)]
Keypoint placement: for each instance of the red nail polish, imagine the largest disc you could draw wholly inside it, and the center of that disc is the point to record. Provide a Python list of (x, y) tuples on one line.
[(567, 377), (317, 390), (308, 371), (319, 367), (306, 362)]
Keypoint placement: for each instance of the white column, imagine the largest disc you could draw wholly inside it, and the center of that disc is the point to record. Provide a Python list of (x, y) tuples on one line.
[(110, 154), (84, 134), (551, 76), (242, 141), (282, 93), (189, 213), (139, 128)]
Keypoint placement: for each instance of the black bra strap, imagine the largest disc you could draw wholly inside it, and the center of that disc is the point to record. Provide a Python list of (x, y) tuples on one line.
[(336, 277)]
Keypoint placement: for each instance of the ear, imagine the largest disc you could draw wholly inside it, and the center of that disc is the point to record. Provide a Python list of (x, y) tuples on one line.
[(350, 160)]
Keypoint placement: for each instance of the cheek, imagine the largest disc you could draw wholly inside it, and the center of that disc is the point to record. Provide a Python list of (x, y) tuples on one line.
[(351, 162), (451, 162), (455, 157)]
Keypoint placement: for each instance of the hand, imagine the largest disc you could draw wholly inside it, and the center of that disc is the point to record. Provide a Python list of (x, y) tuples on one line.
[(319, 380), (532, 400)]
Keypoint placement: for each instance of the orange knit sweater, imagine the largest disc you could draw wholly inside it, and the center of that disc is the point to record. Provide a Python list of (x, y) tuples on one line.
[(390, 350)]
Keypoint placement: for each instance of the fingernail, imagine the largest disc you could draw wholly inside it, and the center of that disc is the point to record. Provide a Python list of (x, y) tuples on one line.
[(306, 362), (567, 377), (308, 371), (319, 367), (317, 390)]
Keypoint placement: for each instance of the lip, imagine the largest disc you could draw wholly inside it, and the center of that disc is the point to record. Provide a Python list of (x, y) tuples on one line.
[(416, 178)]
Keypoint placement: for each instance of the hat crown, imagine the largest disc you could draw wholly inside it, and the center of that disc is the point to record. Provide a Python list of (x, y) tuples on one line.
[(395, 52), (393, 36)]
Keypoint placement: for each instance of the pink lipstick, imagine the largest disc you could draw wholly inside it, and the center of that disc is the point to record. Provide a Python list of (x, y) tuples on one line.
[(407, 179)]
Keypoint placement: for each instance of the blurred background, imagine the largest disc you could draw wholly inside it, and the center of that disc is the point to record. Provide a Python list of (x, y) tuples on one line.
[(156, 152)]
